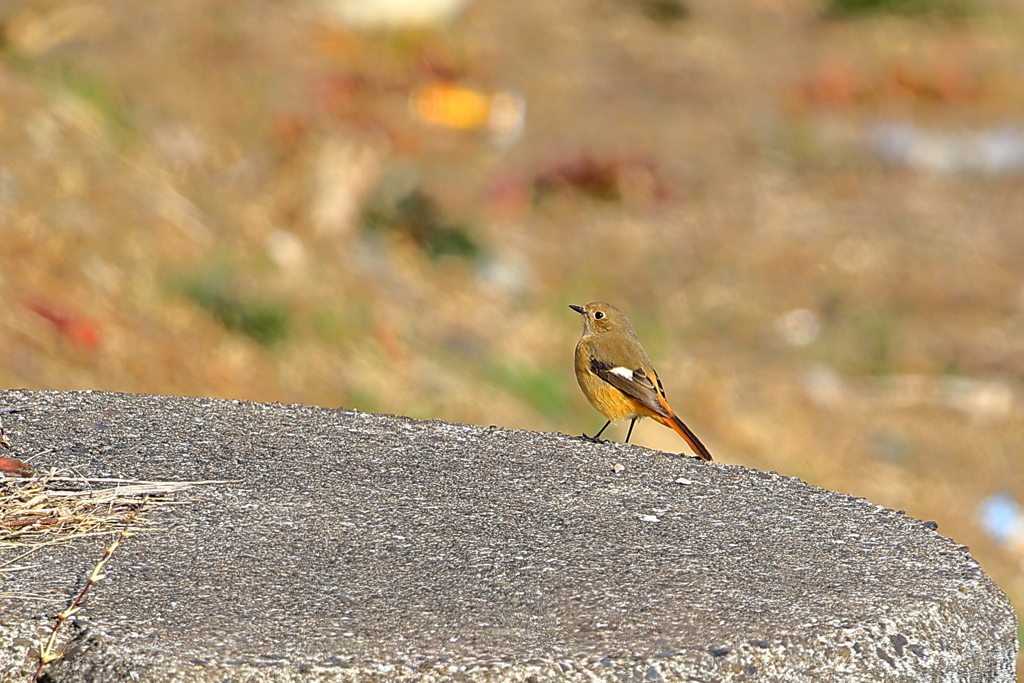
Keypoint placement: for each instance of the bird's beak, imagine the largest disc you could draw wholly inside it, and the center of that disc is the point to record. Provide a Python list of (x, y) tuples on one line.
[(578, 309)]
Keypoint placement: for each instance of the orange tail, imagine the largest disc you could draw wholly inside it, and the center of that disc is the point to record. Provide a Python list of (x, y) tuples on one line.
[(675, 423)]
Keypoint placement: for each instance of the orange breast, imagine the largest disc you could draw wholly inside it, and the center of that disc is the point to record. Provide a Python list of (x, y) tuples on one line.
[(609, 401)]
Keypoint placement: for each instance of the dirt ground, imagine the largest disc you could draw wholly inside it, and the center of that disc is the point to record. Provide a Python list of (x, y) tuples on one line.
[(815, 223)]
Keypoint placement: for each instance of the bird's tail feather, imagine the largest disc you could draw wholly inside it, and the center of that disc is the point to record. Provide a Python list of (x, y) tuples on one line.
[(675, 423)]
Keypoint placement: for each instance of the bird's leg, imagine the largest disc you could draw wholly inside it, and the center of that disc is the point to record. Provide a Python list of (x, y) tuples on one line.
[(630, 432), (597, 437)]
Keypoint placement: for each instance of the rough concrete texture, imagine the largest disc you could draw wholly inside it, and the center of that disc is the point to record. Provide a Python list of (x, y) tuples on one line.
[(360, 547)]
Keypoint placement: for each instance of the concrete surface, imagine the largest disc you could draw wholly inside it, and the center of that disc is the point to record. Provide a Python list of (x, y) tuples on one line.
[(364, 547)]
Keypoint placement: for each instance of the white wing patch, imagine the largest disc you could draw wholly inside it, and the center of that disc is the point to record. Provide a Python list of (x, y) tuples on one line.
[(623, 372)]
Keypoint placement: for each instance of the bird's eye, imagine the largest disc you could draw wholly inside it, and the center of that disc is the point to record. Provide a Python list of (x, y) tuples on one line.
[(598, 315)]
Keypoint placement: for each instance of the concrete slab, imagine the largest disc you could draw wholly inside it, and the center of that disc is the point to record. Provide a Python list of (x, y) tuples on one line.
[(364, 547)]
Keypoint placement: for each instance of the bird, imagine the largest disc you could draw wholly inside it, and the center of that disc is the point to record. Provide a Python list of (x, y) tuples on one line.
[(617, 377)]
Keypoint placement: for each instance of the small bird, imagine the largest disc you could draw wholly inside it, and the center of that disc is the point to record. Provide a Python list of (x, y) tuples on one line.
[(617, 377)]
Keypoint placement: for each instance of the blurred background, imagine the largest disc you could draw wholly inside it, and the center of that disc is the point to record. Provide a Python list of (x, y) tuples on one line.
[(811, 210)]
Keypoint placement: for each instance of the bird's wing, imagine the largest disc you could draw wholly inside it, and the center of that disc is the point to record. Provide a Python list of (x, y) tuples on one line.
[(634, 382)]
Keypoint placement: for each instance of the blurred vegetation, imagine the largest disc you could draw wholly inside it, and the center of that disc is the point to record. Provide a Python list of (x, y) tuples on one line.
[(417, 217), (665, 11), (841, 9), (545, 391), (265, 322)]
